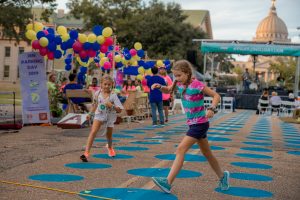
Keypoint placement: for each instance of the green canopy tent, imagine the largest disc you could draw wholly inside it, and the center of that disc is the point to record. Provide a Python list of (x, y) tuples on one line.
[(254, 49)]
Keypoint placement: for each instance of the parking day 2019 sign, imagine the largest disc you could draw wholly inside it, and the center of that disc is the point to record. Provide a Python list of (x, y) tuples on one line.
[(35, 103)]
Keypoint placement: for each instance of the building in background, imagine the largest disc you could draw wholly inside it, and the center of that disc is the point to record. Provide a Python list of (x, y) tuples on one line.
[(271, 29), (200, 19), (10, 49)]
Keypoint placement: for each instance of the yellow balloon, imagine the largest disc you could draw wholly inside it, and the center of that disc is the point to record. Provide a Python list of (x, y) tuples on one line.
[(38, 26), (82, 38), (124, 61), (61, 30), (30, 34), (43, 41), (103, 60), (148, 72), (100, 39), (141, 70), (101, 55), (92, 38), (138, 46), (159, 63), (139, 77), (135, 63), (107, 32), (65, 37), (29, 26), (136, 57), (118, 58)]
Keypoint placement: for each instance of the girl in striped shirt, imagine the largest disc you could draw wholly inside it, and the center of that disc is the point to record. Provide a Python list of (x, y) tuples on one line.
[(192, 95)]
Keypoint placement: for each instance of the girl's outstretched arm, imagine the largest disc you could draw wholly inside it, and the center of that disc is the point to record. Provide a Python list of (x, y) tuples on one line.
[(164, 89)]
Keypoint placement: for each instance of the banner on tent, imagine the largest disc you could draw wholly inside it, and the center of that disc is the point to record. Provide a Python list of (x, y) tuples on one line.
[(35, 103), (251, 49)]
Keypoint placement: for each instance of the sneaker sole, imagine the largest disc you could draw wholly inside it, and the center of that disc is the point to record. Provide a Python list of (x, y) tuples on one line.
[(161, 187)]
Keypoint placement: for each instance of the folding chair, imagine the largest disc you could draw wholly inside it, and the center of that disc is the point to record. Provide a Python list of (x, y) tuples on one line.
[(263, 106), (81, 93), (176, 102), (287, 108), (227, 104), (207, 102)]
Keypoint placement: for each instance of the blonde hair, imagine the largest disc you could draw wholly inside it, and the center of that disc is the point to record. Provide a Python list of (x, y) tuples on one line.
[(107, 77), (185, 67)]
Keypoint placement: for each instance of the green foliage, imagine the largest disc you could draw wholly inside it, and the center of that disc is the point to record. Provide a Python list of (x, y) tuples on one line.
[(54, 98), (159, 27), (16, 14), (228, 80), (286, 66), (224, 60), (239, 71)]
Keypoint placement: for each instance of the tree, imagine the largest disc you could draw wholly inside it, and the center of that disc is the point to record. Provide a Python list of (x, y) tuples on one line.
[(159, 27), (286, 67), (16, 14)]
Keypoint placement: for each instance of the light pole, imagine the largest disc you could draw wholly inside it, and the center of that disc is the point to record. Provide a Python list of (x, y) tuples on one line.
[(296, 86)]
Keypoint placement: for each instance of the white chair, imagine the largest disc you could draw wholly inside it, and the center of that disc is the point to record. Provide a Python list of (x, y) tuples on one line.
[(287, 108), (207, 102), (263, 106), (227, 104), (176, 102)]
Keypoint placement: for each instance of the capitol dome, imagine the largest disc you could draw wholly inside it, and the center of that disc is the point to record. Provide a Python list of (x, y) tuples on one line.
[(272, 28)]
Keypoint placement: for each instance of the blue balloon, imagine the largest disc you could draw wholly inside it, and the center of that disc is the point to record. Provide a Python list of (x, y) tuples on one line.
[(50, 37), (96, 46), (58, 40), (127, 56), (70, 43), (81, 78), (73, 34), (64, 46), (141, 53), (97, 30), (51, 31), (52, 46), (83, 70), (85, 59), (57, 54), (147, 77), (151, 63), (68, 61), (40, 34), (167, 62), (141, 63), (96, 59), (168, 67), (110, 48), (69, 55), (87, 46), (68, 67), (119, 65), (131, 70)]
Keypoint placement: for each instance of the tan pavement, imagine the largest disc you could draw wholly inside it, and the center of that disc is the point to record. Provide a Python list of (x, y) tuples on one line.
[(45, 150)]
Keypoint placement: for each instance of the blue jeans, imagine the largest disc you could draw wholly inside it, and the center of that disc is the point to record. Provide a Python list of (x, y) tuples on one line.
[(159, 106)]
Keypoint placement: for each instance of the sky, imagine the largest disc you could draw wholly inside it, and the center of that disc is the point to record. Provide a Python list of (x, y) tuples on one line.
[(238, 19)]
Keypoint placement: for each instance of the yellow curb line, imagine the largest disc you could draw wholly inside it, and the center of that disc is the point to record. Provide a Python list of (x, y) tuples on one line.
[(54, 189)]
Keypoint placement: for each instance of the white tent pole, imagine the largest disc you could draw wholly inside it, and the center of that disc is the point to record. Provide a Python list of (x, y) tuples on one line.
[(296, 86)]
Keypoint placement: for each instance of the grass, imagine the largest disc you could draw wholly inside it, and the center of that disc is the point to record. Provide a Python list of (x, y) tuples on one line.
[(8, 98)]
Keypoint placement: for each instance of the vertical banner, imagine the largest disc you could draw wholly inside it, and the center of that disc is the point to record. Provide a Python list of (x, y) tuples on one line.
[(35, 103)]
